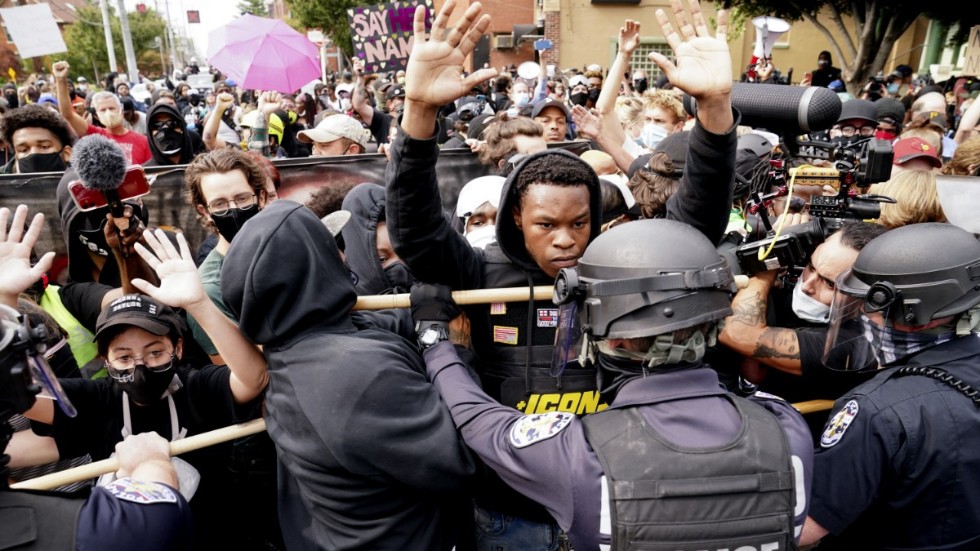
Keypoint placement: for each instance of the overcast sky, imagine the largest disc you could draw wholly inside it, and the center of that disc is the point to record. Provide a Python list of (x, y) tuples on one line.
[(214, 13)]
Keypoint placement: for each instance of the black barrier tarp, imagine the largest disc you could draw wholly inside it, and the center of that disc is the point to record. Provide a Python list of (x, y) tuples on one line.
[(300, 178)]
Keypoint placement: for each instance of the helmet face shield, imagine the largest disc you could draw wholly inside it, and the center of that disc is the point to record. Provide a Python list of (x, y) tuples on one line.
[(848, 346), (26, 342), (568, 338)]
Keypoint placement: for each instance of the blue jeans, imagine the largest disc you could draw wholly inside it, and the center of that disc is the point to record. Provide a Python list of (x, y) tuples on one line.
[(499, 532)]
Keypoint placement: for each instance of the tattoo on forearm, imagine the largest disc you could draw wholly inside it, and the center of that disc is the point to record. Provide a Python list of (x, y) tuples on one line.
[(778, 343), (750, 309)]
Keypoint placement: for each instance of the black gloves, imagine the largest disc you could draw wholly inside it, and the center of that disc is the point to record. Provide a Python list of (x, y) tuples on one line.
[(432, 302)]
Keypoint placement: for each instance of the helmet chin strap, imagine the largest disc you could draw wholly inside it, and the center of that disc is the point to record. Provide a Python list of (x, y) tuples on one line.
[(664, 351), (969, 322)]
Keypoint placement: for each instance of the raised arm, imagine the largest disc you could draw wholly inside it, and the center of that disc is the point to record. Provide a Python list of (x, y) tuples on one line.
[(223, 102), (417, 225), (77, 123), (359, 100), (181, 287), (703, 70), (629, 39)]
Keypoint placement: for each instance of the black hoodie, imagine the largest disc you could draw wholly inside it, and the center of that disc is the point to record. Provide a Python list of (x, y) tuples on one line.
[(369, 457), (187, 150), (366, 203)]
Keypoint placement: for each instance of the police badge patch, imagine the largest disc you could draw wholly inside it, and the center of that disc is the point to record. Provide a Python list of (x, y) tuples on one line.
[(141, 492), (540, 426), (838, 425)]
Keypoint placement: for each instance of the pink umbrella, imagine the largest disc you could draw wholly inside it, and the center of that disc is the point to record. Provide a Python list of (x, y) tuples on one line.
[(263, 54)]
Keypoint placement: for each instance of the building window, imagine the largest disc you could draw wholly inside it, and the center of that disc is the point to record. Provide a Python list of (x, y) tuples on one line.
[(641, 57)]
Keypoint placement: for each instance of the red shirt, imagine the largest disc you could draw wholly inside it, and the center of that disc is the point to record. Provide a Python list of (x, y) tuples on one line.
[(134, 145)]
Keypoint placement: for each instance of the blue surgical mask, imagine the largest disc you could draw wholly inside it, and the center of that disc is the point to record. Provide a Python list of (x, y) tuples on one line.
[(652, 135), (893, 88)]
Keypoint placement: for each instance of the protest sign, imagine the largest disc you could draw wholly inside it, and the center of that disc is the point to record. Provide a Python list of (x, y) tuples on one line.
[(33, 30), (383, 34), (971, 61)]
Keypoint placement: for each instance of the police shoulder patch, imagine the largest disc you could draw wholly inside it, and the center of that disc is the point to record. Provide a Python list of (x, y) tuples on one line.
[(838, 425), (141, 492), (537, 427)]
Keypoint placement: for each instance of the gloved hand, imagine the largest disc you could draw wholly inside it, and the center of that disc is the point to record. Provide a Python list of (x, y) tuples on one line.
[(432, 302)]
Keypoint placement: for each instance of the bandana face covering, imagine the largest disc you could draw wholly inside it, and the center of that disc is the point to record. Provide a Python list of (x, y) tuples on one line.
[(892, 345)]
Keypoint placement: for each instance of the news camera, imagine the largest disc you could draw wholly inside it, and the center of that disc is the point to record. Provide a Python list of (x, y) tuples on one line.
[(856, 165)]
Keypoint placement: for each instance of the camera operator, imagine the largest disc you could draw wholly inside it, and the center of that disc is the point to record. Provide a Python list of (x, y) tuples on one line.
[(785, 328)]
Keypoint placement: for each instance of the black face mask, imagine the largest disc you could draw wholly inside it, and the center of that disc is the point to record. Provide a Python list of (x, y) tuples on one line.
[(579, 99), (168, 141), (147, 386), (640, 84), (42, 162), (399, 277), (230, 222)]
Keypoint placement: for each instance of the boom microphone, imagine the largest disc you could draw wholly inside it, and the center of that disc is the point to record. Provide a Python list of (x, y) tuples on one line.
[(101, 165), (782, 109)]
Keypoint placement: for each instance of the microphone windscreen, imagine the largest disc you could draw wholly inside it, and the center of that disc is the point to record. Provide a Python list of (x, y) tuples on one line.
[(782, 109), (100, 163)]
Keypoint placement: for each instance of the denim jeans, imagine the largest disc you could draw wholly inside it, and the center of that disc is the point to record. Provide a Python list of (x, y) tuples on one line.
[(499, 532)]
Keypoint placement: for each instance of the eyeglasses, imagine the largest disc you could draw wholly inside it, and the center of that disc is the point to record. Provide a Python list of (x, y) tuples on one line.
[(849, 130), (123, 368), (165, 123), (219, 207)]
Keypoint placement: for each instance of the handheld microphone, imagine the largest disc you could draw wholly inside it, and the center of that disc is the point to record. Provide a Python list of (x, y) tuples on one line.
[(782, 109), (101, 166)]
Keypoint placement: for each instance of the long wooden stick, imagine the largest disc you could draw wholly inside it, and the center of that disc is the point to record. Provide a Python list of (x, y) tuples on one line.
[(218, 436), (99, 468), (477, 296)]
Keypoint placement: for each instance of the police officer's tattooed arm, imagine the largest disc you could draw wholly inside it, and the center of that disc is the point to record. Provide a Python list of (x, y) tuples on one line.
[(747, 333)]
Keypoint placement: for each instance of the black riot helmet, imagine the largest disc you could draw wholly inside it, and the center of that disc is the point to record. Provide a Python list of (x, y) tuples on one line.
[(646, 278), (916, 274)]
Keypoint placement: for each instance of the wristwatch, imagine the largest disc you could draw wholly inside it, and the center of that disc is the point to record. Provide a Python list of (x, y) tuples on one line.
[(431, 333)]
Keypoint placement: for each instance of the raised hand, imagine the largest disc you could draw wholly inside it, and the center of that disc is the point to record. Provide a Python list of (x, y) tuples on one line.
[(703, 67), (224, 102), (180, 284), (16, 272), (434, 76), (269, 102), (60, 70), (587, 122), (629, 36)]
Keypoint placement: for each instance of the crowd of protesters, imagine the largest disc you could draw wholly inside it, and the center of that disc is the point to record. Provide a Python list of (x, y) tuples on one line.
[(366, 448)]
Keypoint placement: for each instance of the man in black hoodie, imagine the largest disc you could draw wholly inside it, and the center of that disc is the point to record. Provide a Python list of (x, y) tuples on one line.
[(171, 142), (368, 454), (550, 209)]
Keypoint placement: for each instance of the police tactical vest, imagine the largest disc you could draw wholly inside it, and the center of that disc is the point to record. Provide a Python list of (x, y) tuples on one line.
[(38, 520), (669, 497)]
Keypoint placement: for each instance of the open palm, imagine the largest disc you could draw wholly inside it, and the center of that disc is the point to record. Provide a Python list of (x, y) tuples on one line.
[(16, 272), (180, 284), (703, 65)]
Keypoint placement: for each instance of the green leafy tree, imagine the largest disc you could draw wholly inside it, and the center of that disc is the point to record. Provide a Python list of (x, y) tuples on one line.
[(863, 44), (254, 7), (86, 40), (331, 16)]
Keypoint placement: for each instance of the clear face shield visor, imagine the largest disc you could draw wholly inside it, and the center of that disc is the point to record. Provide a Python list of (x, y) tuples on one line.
[(568, 338), (857, 309), (26, 341)]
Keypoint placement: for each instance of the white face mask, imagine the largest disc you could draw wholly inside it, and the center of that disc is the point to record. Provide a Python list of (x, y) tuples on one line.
[(652, 134), (808, 308), (521, 98), (481, 237)]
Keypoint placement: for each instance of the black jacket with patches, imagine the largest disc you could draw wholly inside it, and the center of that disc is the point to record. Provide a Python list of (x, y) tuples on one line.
[(369, 457)]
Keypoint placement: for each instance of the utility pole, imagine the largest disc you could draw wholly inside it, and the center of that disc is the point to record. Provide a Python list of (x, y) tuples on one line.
[(170, 33), (128, 45), (106, 25)]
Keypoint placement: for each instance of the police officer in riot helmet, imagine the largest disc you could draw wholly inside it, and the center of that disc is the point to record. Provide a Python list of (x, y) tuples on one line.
[(899, 460), (645, 298)]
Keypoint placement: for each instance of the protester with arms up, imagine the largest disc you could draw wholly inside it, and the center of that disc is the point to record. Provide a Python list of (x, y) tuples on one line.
[(109, 110), (550, 209)]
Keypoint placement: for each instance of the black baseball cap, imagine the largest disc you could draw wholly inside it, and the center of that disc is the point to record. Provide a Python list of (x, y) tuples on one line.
[(138, 311), (395, 91), (542, 105)]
